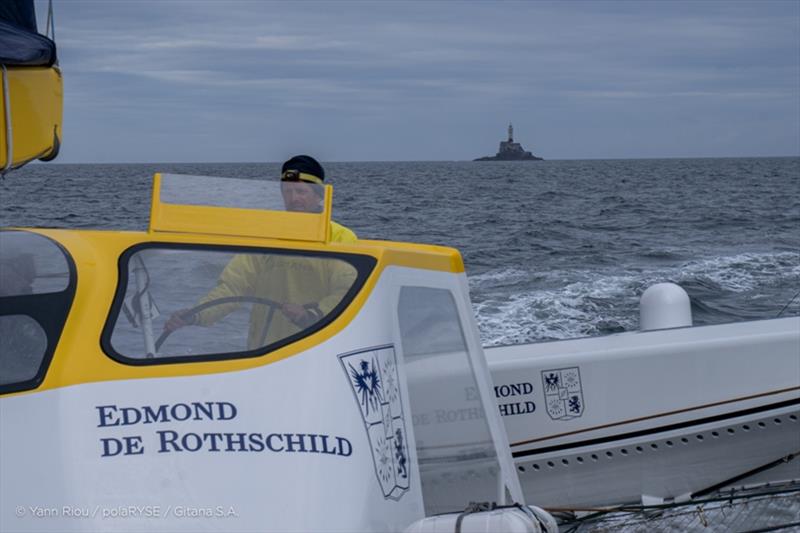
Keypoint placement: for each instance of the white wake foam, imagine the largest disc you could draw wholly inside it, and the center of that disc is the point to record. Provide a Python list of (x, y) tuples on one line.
[(563, 304)]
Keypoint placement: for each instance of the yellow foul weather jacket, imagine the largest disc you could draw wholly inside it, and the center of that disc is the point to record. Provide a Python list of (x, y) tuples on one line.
[(319, 283)]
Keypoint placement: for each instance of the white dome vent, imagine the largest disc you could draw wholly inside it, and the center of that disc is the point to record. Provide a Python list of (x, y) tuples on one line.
[(664, 306)]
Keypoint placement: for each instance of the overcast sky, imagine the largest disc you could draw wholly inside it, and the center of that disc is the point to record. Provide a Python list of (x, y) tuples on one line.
[(217, 81)]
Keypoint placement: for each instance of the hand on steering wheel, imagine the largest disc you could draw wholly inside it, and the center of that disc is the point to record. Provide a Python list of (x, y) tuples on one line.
[(180, 319), (188, 317)]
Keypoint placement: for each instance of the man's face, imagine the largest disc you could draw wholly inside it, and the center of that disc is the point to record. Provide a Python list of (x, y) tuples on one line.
[(300, 196)]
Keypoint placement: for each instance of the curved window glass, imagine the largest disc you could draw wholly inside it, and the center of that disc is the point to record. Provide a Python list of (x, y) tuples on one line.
[(189, 302), (457, 458), (31, 264), (23, 344), (37, 284)]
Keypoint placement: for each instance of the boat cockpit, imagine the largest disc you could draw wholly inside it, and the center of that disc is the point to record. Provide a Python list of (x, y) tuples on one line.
[(301, 369)]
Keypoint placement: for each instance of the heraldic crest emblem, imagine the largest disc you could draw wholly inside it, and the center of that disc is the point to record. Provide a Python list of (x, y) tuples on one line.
[(563, 394), (373, 378)]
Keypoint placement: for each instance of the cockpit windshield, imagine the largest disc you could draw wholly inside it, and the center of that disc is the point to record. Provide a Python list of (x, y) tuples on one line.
[(241, 193), (221, 302), (294, 210)]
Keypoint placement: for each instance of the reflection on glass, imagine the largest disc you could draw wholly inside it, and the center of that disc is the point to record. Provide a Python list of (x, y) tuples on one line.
[(241, 193), (23, 343), (31, 264), (458, 461), (212, 302)]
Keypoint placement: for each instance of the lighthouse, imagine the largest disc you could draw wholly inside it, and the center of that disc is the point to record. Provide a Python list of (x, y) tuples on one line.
[(511, 151)]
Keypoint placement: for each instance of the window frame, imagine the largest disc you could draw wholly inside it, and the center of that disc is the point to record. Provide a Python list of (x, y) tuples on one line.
[(50, 310), (364, 265)]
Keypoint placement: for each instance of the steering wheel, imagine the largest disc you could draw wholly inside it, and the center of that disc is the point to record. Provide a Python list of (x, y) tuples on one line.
[(272, 304)]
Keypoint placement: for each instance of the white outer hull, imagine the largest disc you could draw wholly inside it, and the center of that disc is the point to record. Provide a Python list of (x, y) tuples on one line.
[(53, 459), (665, 413), (52, 456)]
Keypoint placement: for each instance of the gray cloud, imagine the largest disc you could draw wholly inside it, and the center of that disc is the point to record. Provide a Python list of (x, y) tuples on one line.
[(428, 80)]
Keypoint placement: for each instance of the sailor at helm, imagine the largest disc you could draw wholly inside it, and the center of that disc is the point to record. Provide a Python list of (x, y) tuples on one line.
[(306, 287)]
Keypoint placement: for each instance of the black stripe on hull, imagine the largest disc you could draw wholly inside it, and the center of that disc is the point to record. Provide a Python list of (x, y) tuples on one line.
[(661, 429)]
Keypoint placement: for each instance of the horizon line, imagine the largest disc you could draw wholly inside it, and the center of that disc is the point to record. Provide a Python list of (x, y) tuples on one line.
[(50, 163)]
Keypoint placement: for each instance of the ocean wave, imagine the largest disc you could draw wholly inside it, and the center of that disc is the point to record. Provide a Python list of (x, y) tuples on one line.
[(571, 303), (743, 272), (578, 309)]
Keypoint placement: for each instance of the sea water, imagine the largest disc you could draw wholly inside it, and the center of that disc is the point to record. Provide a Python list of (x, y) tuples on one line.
[(553, 249)]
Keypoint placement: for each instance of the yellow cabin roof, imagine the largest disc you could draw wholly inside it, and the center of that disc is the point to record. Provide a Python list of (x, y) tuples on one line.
[(245, 212)]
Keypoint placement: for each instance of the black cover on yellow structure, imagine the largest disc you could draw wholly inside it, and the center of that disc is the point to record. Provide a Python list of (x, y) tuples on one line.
[(31, 106), (21, 47)]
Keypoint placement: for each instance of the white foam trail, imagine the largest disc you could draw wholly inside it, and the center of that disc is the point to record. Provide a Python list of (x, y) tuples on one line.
[(743, 272), (552, 313), (572, 310), (499, 276)]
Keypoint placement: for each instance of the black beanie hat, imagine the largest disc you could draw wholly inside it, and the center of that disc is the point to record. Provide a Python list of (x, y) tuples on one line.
[(304, 164)]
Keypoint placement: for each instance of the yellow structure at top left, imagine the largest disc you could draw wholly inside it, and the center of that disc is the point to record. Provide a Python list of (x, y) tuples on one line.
[(31, 110)]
